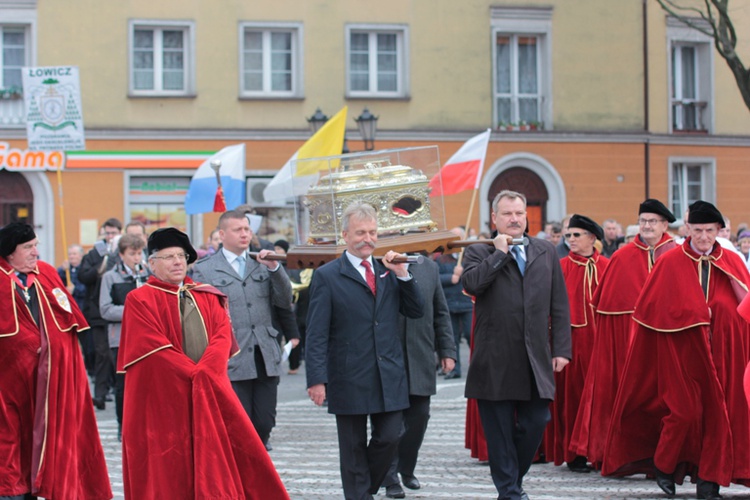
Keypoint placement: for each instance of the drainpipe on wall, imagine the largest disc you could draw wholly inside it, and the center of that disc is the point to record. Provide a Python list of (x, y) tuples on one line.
[(646, 124)]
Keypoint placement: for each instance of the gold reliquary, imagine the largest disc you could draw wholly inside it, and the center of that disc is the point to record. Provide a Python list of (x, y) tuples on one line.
[(400, 194)]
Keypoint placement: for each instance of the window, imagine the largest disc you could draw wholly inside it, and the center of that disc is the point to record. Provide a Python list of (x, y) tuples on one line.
[(377, 61), (691, 180), (690, 78), (15, 55), (270, 60), (161, 59), (521, 65)]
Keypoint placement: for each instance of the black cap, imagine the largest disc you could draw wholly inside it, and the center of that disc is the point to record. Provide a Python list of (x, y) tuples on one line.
[(583, 222), (168, 237), (13, 235), (653, 206), (283, 244), (703, 212)]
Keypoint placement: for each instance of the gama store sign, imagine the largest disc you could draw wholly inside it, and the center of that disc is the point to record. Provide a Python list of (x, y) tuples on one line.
[(25, 160)]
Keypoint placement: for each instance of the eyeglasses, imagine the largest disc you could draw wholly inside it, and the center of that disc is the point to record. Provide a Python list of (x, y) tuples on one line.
[(172, 258), (649, 222), (575, 235)]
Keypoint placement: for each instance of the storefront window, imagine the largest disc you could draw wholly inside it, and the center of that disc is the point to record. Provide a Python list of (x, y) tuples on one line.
[(159, 202)]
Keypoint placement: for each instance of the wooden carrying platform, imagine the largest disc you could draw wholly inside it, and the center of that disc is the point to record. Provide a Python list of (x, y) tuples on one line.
[(313, 256)]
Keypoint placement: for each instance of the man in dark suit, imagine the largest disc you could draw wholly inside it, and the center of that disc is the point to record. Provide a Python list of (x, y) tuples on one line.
[(354, 356), (521, 336), (422, 338), (256, 290)]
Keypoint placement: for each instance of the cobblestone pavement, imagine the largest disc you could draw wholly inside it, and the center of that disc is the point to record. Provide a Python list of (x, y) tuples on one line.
[(305, 452)]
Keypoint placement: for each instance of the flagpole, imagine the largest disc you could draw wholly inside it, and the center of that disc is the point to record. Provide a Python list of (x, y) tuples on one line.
[(62, 222), (468, 221)]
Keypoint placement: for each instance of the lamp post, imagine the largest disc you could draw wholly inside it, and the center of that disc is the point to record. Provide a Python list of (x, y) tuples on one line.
[(317, 120), (368, 124)]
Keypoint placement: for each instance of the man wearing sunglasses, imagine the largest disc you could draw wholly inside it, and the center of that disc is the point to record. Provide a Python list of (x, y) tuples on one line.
[(582, 270), (614, 302), (185, 433), (521, 337)]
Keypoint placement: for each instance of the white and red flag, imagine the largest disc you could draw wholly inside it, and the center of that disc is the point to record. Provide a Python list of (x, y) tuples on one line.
[(463, 170)]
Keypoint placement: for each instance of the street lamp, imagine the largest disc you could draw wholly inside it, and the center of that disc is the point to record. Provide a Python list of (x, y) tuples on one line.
[(317, 120), (368, 124)]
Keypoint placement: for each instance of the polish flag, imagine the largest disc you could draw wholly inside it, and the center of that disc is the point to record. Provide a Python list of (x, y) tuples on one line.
[(463, 170)]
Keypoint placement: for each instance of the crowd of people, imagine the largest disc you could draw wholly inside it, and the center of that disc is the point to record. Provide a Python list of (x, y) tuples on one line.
[(609, 350)]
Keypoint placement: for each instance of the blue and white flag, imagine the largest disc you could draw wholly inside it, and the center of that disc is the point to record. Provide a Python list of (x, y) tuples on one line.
[(205, 191)]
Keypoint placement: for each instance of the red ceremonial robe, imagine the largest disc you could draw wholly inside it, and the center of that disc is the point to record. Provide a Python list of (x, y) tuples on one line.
[(474, 439), (49, 442), (614, 303), (581, 280), (680, 405), (185, 434)]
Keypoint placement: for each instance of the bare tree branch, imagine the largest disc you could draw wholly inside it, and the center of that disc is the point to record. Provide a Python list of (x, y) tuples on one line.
[(722, 31)]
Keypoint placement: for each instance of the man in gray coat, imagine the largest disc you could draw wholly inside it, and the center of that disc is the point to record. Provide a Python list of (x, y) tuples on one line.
[(521, 336), (421, 339), (254, 288)]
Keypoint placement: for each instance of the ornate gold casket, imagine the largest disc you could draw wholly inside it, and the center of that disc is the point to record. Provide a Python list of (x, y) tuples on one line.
[(399, 194)]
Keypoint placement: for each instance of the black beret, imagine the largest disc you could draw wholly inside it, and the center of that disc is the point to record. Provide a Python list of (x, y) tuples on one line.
[(168, 237), (583, 222), (13, 235), (703, 212), (283, 244), (653, 206)]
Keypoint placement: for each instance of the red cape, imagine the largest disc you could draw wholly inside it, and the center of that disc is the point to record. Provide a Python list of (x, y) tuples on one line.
[(614, 301), (680, 405), (50, 443), (185, 434), (582, 277)]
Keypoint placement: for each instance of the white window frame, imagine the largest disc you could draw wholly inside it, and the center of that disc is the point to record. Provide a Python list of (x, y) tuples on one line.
[(188, 27), (296, 30), (402, 46), (521, 21), (21, 18), (680, 35), (707, 182)]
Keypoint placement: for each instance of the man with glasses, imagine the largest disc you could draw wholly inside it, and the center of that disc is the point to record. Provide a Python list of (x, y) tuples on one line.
[(255, 288), (582, 270), (614, 302), (680, 407), (95, 263), (185, 434), (521, 337)]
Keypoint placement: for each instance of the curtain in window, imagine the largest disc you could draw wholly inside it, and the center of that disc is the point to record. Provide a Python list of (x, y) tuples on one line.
[(359, 62), (143, 60), (14, 56)]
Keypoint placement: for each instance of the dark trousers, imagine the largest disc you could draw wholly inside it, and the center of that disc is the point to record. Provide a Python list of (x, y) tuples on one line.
[(103, 368), (364, 465), (460, 320), (258, 397), (514, 430), (415, 426), (119, 388), (295, 357), (87, 349)]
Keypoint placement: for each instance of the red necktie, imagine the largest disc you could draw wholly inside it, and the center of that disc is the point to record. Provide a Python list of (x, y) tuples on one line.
[(369, 276)]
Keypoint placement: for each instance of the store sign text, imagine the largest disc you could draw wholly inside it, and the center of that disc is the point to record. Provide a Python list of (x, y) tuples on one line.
[(25, 160)]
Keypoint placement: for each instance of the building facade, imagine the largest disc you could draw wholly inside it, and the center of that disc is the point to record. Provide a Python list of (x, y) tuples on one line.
[(594, 105)]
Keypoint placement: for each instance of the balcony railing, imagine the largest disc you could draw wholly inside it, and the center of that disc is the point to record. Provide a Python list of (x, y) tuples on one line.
[(687, 116), (12, 113)]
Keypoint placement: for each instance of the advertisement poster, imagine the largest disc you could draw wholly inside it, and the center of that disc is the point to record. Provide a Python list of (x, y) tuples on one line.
[(52, 99)]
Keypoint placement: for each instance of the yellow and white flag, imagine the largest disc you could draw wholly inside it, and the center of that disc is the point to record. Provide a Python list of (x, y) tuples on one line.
[(296, 177)]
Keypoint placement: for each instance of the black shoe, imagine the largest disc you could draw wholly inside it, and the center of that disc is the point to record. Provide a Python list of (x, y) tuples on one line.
[(579, 465), (707, 490), (452, 375), (410, 482), (99, 403), (665, 482), (395, 491), (524, 496)]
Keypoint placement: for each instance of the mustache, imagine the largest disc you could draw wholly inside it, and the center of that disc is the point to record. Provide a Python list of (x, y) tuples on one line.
[(364, 244)]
